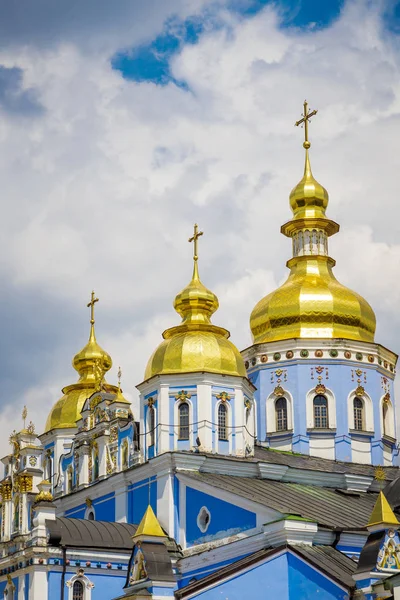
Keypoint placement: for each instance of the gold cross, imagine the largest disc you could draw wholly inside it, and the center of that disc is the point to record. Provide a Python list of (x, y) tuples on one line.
[(305, 118), (91, 304), (119, 377), (196, 235)]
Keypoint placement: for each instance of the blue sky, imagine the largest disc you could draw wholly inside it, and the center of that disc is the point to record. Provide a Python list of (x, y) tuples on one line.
[(124, 123), (151, 61)]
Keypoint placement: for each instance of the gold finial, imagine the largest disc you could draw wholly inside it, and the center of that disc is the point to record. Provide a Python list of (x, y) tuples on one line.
[(24, 414), (119, 374), (380, 475), (194, 238), (91, 304), (305, 118)]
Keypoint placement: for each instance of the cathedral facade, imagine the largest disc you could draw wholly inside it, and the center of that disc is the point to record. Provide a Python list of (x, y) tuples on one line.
[(272, 471)]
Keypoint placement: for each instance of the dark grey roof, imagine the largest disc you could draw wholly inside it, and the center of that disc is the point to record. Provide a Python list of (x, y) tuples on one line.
[(82, 533), (326, 506), (324, 558), (369, 553), (302, 461), (158, 561), (334, 563)]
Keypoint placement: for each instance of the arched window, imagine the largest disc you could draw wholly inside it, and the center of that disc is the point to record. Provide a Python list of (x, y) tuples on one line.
[(358, 407), (125, 454), (90, 516), (281, 414), (152, 425), (77, 590), (388, 419), (69, 479), (95, 461), (183, 412), (222, 425), (320, 404)]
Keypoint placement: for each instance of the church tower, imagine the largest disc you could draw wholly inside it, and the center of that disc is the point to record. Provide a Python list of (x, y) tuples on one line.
[(324, 387), (196, 394)]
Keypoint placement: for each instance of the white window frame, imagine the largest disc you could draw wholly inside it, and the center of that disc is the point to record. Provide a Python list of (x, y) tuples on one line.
[(87, 586)]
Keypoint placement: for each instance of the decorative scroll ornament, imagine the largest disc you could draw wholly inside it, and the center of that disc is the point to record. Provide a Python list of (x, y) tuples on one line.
[(386, 398), (26, 483), (380, 474), (183, 395), (247, 404), (320, 389), (150, 402), (223, 396), (360, 390), (279, 391), (31, 428)]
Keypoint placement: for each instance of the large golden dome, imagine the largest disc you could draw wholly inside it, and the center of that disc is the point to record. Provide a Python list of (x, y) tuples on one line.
[(92, 362), (311, 303), (196, 344)]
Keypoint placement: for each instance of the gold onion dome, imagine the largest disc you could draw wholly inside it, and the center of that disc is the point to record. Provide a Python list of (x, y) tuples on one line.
[(92, 362), (196, 344), (311, 303)]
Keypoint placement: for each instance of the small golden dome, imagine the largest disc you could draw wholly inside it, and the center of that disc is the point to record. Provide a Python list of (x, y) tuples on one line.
[(309, 199), (196, 344), (311, 304), (92, 362)]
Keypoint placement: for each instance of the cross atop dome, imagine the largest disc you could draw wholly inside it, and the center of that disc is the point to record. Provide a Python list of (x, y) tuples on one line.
[(306, 116)]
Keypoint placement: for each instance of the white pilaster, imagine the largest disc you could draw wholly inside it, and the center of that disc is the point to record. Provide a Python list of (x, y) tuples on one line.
[(204, 408)]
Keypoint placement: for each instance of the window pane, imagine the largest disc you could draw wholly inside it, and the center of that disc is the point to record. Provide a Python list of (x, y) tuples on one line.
[(358, 406), (281, 414), (77, 591), (183, 432), (151, 425), (320, 412), (222, 433)]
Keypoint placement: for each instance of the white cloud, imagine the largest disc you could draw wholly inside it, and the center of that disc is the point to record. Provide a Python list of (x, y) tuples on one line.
[(103, 189)]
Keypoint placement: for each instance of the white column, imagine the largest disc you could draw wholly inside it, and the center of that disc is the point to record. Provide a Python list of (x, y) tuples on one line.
[(21, 587), (121, 505), (205, 416), (238, 424), (165, 501), (84, 466), (102, 445), (38, 584), (163, 420)]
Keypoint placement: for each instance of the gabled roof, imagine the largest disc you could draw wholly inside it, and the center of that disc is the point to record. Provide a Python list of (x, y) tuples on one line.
[(382, 514), (326, 559), (313, 463), (82, 533), (326, 506)]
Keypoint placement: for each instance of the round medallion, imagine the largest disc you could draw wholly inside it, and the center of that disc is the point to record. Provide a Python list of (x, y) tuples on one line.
[(289, 354), (385, 364), (277, 356), (246, 364), (254, 361), (334, 353), (347, 354), (304, 353), (264, 358), (370, 358), (319, 353), (359, 356)]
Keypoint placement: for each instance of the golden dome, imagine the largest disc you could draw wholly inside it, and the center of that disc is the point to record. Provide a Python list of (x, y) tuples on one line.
[(92, 362), (309, 198), (311, 303), (196, 344)]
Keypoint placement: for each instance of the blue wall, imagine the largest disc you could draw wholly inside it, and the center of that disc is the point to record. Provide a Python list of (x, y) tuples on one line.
[(138, 499), (226, 518), (284, 577), (105, 586), (104, 508), (269, 580)]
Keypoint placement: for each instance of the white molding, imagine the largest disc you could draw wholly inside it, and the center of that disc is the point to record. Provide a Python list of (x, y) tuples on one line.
[(290, 531)]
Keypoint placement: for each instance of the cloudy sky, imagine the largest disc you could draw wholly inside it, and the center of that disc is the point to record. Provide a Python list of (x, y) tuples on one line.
[(123, 123)]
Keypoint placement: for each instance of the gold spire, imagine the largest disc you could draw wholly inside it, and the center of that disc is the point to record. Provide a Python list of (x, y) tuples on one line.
[(382, 514), (311, 303), (92, 362), (196, 344), (149, 525)]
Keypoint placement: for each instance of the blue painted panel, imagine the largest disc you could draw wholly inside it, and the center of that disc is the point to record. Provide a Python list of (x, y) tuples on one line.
[(269, 580), (26, 586), (305, 583), (78, 512), (107, 587), (226, 518), (105, 508), (54, 583), (204, 571), (138, 499), (2, 588)]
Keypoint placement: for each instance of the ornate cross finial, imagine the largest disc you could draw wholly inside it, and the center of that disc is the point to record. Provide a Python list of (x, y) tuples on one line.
[(24, 414), (196, 235), (305, 119), (91, 304), (119, 374)]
